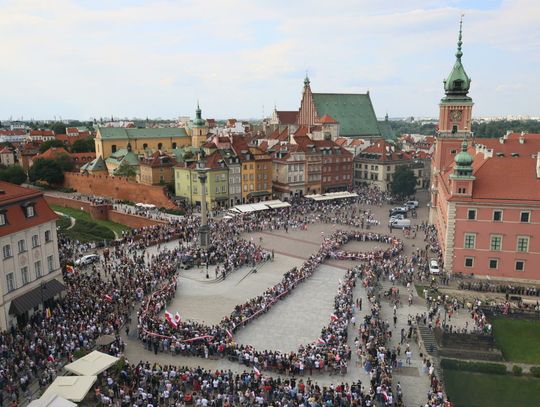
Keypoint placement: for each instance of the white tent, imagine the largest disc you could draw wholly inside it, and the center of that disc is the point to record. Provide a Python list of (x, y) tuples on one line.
[(278, 204), (74, 388), (52, 400), (92, 364)]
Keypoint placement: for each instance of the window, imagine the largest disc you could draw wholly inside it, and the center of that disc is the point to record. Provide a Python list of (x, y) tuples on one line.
[(522, 244), (7, 251), (496, 243), (35, 241), (2, 219), (497, 216), (30, 212), (145, 146), (469, 261), (113, 148), (10, 282), (47, 236), (37, 269), (159, 146), (520, 265), (524, 217), (493, 263), (173, 145), (24, 274), (50, 263), (469, 241), (471, 214), (22, 245)]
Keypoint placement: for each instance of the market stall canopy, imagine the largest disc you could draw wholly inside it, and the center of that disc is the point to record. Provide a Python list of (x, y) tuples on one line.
[(332, 195), (52, 400), (74, 388), (92, 364)]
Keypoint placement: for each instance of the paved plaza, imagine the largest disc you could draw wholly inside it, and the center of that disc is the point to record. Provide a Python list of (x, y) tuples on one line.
[(299, 317)]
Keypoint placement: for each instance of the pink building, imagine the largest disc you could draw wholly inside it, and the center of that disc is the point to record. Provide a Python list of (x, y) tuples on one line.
[(485, 193)]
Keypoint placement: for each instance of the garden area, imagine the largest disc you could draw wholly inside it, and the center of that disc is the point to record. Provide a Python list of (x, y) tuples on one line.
[(85, 228), (518, 339), (470, 389)]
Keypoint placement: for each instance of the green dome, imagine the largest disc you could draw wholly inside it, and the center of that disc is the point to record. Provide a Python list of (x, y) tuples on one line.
[(463, 159), (458, 83), (199, 121)]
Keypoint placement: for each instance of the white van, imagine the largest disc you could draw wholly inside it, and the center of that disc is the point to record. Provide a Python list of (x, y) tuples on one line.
[(400, 223)]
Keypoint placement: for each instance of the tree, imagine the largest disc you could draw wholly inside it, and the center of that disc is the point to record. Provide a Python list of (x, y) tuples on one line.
[(404, 182), (14, 174), (58, 128), (125, 170), (45, 169), (50, 143), (65, 161), (84, 145)]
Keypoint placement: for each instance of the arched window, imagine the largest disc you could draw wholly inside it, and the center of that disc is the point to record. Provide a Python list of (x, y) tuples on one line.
[(458, 84), (173, 145), (145, 146), (159, 146)]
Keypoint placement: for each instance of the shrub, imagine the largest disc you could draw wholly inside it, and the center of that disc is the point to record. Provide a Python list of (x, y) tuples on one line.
[(517, 370), (535, 371), (479, 367)]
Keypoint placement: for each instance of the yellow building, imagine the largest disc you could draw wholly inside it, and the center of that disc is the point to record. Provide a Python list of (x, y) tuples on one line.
[(157, 169), (143, 141), (188, 185), (256, 171)]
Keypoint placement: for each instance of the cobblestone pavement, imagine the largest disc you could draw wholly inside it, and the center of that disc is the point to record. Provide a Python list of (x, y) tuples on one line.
[(300, 316)]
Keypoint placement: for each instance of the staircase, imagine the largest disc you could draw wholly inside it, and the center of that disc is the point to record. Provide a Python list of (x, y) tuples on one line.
[(430, 344)]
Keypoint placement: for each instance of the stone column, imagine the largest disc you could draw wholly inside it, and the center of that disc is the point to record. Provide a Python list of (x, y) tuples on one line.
[(203, 229)]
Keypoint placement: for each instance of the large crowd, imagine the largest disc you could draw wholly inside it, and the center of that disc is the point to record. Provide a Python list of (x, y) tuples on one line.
[(103, 301)]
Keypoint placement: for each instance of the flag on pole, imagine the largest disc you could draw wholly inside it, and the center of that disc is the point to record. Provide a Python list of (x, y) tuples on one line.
[(70, 269), (177, 318), (107, 297), (256, 371), (334, 317)]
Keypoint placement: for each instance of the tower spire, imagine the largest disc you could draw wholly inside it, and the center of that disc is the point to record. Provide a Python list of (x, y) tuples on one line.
[(306, 79), (459, 53)]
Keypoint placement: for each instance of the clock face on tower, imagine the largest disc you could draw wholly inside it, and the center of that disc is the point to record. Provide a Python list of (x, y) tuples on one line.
[(455, 115)]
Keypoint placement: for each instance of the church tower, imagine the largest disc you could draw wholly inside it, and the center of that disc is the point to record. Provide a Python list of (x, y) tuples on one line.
[(462, 178), (199, 129)]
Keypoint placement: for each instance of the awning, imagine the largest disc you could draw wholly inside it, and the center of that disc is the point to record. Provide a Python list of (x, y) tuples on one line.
[(74, 388), (36, 296), (53, 400), (259, 193), (92, 364)]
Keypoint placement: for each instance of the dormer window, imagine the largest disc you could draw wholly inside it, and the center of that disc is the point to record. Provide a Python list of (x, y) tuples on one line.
[(29, 210), (3, 219)]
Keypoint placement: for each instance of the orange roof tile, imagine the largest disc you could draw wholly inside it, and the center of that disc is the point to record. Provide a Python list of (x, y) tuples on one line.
[(327, 119)]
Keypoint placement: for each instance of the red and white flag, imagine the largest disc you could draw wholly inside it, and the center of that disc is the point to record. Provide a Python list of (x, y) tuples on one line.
[(170, 319), (334, 317), (70, 269), (229, 333), (108, 298), (321, 341), (256, 371), (177, 318)]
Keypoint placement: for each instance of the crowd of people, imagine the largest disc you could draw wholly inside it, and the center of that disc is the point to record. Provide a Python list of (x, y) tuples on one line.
[(101, 302)]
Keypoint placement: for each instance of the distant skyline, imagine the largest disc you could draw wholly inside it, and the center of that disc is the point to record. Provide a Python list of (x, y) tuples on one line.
[(239, 58)]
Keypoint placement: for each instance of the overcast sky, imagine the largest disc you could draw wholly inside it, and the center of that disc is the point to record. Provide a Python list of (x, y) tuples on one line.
[(92, 58)]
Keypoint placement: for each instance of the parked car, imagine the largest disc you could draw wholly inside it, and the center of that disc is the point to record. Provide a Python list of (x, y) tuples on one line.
[(400, 223), (398, 210), (411, 204), (87, 259), (434, 267), (398, 216)]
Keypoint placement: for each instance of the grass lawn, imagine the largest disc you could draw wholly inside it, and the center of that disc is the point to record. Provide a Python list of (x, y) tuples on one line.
[(519, 340), (466, 389), (81, 215)]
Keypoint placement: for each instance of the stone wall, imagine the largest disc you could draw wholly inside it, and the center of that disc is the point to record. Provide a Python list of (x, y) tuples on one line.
[(103, 212), (118, 188)]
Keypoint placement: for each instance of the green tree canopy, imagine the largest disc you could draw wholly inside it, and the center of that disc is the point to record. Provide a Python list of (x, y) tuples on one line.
[(85, 145), (404, 182), (14, 174), (125, 170), (58, 128), (65, 161), (45, 169), (50, 143)]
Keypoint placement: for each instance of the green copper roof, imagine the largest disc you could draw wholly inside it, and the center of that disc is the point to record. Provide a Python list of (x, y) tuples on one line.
[(458, 83), (199, 121), (117, 133), (95, 165), (354, 112), (386, 130), (122, 155)]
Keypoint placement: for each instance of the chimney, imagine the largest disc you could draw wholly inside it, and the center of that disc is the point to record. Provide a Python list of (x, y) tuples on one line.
[(538, 165), (522, 138), (501, 139)]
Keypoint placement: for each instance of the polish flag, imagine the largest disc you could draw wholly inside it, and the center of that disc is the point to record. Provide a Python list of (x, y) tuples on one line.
[(107, 298), (334, 317), (177, 318), (170, 319), (70, 269), (256, 371), (229, 333), (321, 341)]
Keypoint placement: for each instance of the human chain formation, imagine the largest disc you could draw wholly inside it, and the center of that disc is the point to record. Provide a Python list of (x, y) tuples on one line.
[(100, 303)]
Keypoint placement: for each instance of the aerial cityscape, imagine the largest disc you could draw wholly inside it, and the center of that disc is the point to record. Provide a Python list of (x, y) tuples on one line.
[(233, 203)]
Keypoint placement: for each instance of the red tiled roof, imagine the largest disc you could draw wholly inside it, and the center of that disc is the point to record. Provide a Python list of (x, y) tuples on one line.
[(52, 152), (287, 116), (264, 145), (385, 152), (511, 144), (159, 160), (327, 119), (6, 150), (12, 198), (341, 141), (301, 131), (12, 132)]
